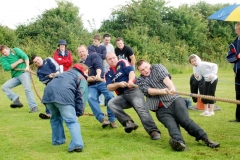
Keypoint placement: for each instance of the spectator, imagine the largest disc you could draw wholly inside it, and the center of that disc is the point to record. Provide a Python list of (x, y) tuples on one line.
[(124, 52), (109, 48), (63, 56), (208, 71), (99, 49), (234, 57), (196, 86)]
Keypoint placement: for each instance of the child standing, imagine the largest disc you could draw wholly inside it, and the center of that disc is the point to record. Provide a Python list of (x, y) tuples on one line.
[(208, 71)]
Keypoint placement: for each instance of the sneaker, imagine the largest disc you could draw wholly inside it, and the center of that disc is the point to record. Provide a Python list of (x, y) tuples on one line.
[(210, 143), (204, 113), (16, 104), (105, 123), (34, 109), (177, 146), (155, 135), (44, 116), (113, 125), (76, 150), (210, 114), (130, 126)]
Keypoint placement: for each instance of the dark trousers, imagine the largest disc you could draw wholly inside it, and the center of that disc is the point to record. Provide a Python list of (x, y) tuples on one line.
[(237, 89), (177, 115), (196, 85), (209, 89)]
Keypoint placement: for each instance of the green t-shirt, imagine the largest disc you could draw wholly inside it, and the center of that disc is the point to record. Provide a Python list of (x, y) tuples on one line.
[(6, 62)]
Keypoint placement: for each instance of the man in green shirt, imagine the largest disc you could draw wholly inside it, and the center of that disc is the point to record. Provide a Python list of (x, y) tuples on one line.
[(16, 61)]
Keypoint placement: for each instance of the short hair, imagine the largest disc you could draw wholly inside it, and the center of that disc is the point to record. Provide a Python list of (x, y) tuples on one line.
[(85, 67), (97, 37), (119, 39), (236, 25), (106, 35), (192, 56), (2, 47), (140, 62), (32, 58), (83, 45)]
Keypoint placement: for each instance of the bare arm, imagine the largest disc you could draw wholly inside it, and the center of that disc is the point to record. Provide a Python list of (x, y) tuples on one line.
[(27, 65), (131, 79), (170, 88), (133, 59), (17, 63), (99, 71)]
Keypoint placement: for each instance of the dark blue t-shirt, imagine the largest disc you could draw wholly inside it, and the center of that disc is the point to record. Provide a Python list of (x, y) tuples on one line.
[(119, 73)]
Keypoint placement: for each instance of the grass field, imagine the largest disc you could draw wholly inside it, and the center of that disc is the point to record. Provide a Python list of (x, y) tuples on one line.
[(26, 136)]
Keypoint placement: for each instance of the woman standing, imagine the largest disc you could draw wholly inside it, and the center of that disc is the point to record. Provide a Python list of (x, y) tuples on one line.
[(63, 56), (208, 71)]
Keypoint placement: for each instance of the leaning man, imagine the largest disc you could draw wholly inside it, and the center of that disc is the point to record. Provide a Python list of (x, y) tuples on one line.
[(16, 61)]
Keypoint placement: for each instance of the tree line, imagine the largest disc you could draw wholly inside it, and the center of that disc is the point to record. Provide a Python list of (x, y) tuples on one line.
[(156, 32)]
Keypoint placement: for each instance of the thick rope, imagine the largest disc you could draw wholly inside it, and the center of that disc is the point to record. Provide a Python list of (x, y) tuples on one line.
[(34, 86), (22, 69), (208, 97), (202, 96), (35, 89)]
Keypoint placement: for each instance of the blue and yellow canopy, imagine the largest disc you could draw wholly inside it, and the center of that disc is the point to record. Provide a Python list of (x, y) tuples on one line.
[(229, 13)]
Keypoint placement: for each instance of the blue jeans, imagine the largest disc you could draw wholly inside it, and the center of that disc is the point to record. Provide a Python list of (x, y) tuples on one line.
[(93, 93), (101, 100), (132, 98), (66, 113), (46, 109), (25, 80)]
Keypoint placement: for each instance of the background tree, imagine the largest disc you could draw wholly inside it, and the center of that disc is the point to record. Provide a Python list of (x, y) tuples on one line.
[(168, 34), (7, 36), (155, 31), (42, 35)]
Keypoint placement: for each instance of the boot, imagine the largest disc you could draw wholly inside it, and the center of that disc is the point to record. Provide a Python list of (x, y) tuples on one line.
[(177, 146), (210, 143), (105, 123), (16, 104), (130, 126)]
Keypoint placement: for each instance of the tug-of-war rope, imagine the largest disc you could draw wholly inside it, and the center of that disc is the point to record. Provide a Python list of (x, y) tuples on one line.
[(135, 86), (203, 96), (35, 88)]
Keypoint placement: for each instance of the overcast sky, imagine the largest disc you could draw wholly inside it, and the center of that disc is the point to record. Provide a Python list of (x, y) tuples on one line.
[(15, 12)]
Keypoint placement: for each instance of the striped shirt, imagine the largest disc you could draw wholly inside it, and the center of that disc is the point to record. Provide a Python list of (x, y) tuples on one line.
[(155, 80)]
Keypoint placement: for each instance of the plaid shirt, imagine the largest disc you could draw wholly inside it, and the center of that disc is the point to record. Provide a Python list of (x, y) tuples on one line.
[(155, 80)]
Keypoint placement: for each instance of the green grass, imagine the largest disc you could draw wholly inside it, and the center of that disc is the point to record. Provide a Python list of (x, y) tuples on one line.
[(26, 136)]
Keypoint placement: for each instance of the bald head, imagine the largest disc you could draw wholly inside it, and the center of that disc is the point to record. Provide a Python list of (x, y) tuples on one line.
[(111, 59)]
